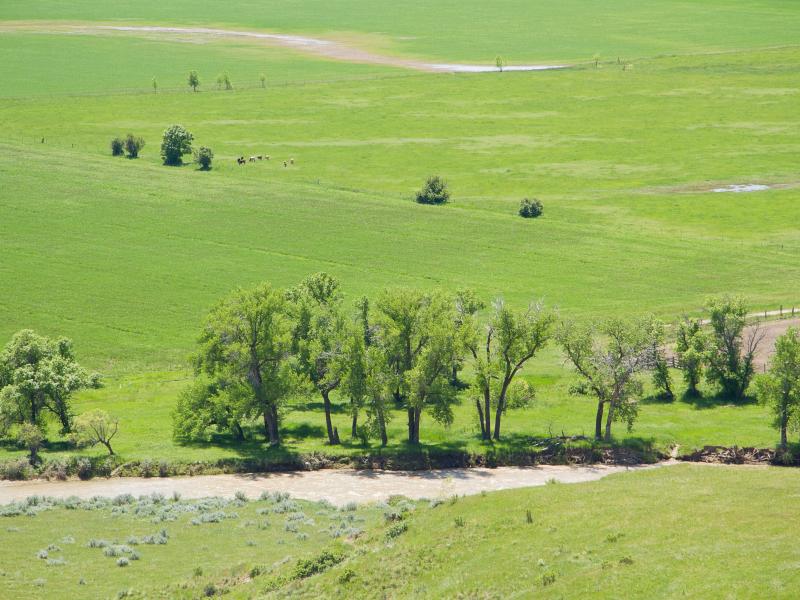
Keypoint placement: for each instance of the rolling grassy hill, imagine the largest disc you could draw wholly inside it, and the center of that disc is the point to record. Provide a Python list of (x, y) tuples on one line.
[(125, 256)]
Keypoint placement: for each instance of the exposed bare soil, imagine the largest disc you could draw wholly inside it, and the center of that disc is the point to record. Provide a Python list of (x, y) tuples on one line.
[(336, 486)]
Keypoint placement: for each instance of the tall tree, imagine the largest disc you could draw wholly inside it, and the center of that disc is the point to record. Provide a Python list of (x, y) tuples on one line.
[(780, 387), (511, 339), (662, 379), (39, 375), (319, 338), (608, 359), (246, 340), (419, 338), (194, 80), (731, 350), (691, 347)]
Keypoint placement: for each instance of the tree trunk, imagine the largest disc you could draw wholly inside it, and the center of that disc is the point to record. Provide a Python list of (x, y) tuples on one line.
[(63, 416), (108, 447), (487, 414), (411, 426), (784, 423), (327, 403), (238, 432), (598, 422), (480, 418), (609, 419), (498, 411), (354, 426), (271, 425), (382, 427)]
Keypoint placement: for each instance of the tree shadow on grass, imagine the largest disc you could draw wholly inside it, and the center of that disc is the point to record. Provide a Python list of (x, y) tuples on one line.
[(702, 401)]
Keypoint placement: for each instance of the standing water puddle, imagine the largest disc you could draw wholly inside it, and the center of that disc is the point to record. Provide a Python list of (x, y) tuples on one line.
[(739, 188)]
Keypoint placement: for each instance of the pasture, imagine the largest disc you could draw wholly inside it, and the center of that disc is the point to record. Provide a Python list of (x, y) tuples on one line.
[(126, 256)]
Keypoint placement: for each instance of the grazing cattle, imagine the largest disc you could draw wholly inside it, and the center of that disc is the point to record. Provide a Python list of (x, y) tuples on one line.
[(241, 160), (260, 157), (284, 163), (267, 157), (252, 159), (291, 161)]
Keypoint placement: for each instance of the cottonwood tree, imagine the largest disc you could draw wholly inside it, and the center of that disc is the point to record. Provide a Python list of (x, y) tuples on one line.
[(421, 345), (97, 427), (246, 340), (608, 358), (368, 381), (361, 335), (467, 306), (206, 404), (319, 337), (779, 388), (39, 375), (691, 347), (509, 341), (731, 351), (662, 380)]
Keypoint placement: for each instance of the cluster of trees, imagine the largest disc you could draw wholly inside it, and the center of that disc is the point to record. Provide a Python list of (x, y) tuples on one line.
[(38, 377), (176, 142), (131, 144), (223, 80), (259, 347)]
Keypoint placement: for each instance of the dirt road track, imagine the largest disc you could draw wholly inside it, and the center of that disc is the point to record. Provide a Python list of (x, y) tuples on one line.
[(336, 486)]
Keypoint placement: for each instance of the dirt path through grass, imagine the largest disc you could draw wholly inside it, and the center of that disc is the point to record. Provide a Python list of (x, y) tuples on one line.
[(336, 486), (324, 48)]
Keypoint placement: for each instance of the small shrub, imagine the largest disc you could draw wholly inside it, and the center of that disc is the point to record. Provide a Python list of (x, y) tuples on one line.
[(459, 521), (322, 562), (83, 468), (434, 191), (117, 147), (548, 579), (210, 590), (55, 562), (123, 561), (396, 530), (530, 209), (42, 554), (203, 157), (626, 560), (240, 496), (347, 575), (528, 517), (198, 571), (133, 145)]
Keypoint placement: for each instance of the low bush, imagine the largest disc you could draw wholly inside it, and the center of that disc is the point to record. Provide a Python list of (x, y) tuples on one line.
[(318, 564), (530, 209), (435, 191), (133, 145), (117, 147), (204, 156)]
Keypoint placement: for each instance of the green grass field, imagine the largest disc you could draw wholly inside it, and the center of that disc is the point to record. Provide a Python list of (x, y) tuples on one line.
[(126, 256), (682, 531)]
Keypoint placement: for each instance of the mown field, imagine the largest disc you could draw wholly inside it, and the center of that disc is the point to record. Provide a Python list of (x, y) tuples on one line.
[(125, 256), (682, 531)]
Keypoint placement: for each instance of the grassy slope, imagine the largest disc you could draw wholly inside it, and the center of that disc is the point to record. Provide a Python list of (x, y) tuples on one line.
[(686, 530), (225, 550), (522, 30), (126, 261)]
